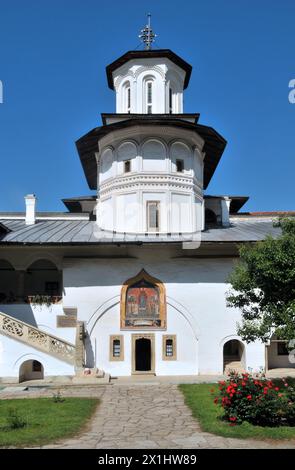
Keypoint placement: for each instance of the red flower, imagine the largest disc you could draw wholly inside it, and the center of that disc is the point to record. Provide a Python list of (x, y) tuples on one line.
[(233, 418), (249, 397), (277, 389), (244, 384), (215, 401)]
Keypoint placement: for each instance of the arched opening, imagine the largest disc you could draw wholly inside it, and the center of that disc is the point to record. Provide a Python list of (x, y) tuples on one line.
[(233, 356), (143, 358), (43, 279), (31, 370), (8, 282)]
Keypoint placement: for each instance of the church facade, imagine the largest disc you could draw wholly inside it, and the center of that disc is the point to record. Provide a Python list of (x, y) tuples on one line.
[(132, 280)]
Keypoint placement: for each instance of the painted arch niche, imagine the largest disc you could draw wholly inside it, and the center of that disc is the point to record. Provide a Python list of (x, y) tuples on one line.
[(143, 303)]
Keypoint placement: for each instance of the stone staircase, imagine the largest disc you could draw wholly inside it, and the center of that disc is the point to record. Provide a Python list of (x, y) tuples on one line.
[(57, 347), (41, 340)]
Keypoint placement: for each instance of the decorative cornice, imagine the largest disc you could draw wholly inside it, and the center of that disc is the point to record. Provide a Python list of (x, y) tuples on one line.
[(138, 181)]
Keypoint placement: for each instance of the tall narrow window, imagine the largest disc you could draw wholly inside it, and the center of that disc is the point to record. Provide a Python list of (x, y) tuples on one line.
[(169, 348), (149, 97), (116, 348), (179, 166), (128, 92), (170, 100), (127, 166), (153, 216)]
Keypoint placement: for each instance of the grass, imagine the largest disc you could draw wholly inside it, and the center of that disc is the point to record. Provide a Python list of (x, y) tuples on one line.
[(200, 400), (46, 420)]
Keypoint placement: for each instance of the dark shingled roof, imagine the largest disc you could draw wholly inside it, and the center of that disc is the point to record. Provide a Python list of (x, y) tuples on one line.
[(88, 144), (84, 232), (151, 54)]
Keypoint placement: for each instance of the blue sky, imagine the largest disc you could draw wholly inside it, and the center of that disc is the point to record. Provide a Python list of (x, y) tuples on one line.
[(52, 65)]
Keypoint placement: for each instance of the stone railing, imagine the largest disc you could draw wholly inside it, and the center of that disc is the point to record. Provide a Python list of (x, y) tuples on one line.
[(36, 338)]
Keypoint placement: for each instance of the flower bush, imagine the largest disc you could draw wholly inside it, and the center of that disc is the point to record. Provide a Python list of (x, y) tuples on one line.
[(246, 397)]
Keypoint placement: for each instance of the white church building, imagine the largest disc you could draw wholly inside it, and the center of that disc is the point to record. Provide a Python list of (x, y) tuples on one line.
[(132, 280)]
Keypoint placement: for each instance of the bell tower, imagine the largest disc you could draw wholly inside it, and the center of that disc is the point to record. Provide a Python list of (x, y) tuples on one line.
[(149, 161)]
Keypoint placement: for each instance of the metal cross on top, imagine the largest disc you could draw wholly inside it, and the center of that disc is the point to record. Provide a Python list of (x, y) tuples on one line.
[(147, 35)]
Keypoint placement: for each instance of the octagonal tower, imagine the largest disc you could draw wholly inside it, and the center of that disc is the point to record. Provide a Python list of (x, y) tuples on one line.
[(149, 161)]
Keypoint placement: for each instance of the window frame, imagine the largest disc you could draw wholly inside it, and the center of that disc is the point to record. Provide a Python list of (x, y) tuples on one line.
[(114, 338), (158, 218), (166, 338), (149, 96)]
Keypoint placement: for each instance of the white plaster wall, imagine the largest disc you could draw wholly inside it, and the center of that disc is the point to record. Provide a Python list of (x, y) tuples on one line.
[(197, 310), (41, 317), (164, 74), (122, 205), (109, 324), (13, 353)]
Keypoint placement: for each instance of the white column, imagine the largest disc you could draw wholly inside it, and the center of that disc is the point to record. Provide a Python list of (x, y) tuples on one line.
[(225, 205)]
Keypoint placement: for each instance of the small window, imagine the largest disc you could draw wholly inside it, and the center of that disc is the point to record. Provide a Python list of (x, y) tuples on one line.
[(170, 100), (153, 216), (282, 349), (36, 366), (127, 166), (128, 100), (116, 348), (149, 97), (169, 348), (179, 166)]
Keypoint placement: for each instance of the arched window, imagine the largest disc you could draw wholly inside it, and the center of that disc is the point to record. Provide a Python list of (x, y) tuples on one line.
[(126, 98), (149, 96), (143, 303), (170, 101)]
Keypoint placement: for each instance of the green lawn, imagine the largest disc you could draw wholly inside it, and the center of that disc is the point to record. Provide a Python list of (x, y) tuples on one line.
[(200, 400), (46, 420)]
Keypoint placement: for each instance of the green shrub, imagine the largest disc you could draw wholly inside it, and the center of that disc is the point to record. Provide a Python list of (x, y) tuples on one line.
[(14, 420), (256, 400)]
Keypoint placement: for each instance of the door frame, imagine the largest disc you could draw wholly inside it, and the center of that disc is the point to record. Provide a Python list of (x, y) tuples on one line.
[(151, 337)]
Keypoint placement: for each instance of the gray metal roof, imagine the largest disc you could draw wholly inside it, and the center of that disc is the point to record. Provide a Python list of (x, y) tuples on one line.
[(76, 232)]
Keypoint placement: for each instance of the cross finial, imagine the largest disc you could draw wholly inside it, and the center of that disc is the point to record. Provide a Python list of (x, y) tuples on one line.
[(147, 35)]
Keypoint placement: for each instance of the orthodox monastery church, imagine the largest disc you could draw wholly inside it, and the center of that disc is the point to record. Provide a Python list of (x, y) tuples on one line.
[(132, 280)]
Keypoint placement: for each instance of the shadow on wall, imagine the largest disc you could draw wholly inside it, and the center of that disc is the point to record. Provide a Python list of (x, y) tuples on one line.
[(114, 272), (89, 353), (22, 312)]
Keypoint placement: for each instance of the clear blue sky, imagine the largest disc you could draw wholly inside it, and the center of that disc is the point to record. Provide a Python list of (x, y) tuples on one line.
[(52, 65)]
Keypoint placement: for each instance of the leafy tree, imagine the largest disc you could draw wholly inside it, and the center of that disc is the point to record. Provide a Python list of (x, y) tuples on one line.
[(263, 286)]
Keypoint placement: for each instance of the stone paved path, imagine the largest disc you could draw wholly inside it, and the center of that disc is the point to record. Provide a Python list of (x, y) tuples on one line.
[(149, 416)]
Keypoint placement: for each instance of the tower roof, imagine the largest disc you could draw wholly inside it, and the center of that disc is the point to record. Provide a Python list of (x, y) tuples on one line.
[(87, 146), (149, 54)]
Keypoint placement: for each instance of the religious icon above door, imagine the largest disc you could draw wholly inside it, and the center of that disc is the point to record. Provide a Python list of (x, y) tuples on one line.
[(143, 303)]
